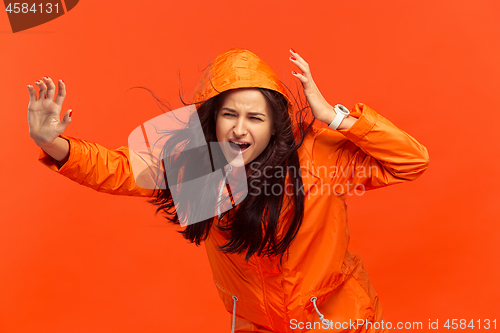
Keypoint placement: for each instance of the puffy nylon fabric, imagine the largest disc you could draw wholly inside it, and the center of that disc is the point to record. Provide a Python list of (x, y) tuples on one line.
[(319, 264), (373, 153)]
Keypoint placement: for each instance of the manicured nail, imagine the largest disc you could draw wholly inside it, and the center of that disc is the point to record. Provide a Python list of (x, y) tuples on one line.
[(37, 81), (292, 58), (293, 50), (294, 72), (46, 77), (70, 113)]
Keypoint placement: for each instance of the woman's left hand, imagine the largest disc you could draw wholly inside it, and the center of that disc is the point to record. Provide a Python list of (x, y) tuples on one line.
[(320, 108)]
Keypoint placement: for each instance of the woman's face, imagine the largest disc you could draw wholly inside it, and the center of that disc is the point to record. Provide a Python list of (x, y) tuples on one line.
[(244, 121)]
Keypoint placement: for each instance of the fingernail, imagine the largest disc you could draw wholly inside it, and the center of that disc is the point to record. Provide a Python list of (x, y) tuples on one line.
[(70, 113), (292, 58), (294, 72), (293, 50), (46, 77), (37, 81)]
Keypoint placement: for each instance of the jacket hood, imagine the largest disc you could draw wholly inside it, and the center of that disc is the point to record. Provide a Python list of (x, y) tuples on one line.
[(237, 68)]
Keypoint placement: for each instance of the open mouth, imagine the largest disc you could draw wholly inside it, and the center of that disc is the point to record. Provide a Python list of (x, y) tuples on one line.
[(238, 146)]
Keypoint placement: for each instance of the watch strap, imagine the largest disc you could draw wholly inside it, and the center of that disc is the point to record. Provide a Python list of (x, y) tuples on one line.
[(340, 115)]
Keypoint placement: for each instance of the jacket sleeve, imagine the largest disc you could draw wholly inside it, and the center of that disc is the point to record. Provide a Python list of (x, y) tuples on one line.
[(92, 165), (372, 153)]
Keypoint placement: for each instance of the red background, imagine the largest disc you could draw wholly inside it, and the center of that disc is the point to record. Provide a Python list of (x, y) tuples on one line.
[(75, 260)]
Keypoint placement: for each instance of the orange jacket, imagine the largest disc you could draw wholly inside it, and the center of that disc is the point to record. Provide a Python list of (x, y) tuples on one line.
[(373, 153)]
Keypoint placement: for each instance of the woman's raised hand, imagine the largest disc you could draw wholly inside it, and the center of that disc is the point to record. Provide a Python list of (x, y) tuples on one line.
[(320, 108), (44, 113)]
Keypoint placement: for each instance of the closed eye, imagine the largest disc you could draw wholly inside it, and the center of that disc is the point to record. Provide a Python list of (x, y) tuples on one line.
[(233, 115)]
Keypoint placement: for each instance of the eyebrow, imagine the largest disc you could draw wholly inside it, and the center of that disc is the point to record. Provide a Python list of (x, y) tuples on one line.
[(250, 113)]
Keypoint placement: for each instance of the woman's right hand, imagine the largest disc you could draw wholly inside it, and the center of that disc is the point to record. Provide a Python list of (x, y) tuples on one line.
[(44, 113)]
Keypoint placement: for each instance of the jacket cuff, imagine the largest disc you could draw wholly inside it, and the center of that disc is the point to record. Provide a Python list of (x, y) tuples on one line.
[(367, 118), (55, 165)]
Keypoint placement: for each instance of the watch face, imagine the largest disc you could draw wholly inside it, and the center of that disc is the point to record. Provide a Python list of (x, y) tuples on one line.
[(342, 109)]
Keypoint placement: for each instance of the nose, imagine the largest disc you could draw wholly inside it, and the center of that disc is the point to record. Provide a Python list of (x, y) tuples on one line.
[(239, 128)]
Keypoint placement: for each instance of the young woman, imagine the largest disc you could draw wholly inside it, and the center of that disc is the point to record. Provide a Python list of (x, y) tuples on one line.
[(279, 257)]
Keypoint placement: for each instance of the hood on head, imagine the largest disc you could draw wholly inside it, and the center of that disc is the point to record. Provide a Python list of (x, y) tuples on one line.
[(237, 68)]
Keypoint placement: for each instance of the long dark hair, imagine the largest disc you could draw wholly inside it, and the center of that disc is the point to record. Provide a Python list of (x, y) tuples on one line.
[(253, 228)]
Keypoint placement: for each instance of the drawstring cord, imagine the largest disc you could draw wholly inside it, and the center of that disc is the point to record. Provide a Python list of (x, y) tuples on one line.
[(325, 321), (228, 168), (235, 299)]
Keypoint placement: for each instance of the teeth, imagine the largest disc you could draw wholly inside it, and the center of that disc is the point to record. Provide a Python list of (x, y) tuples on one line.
[(239, 143)]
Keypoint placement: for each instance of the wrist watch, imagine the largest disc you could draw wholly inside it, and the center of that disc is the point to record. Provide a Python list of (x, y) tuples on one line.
[(342, 113)]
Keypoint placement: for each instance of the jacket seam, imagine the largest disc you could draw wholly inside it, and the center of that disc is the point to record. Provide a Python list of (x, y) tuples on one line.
[(222, 289), (285, 304), (264, 293)]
